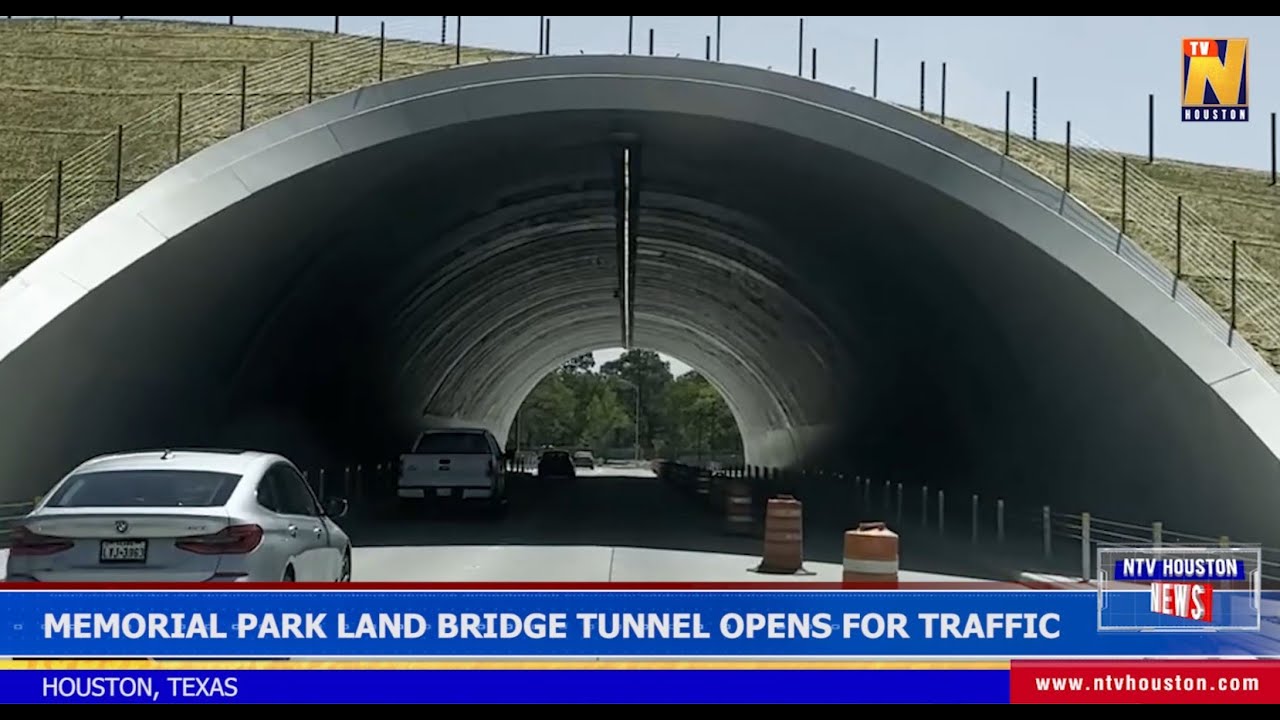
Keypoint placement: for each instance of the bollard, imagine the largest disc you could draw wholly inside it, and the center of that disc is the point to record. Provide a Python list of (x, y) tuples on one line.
[(973, 520), (899, 513), (924, 505), (1000, 520), (1157, 533), (346, 482), (871, 555), (783, 536), (1046, 524), (942, 512), (1085, 546), (866, 492), (320, 486), (737, 502), (1224, 541), (885, 500)]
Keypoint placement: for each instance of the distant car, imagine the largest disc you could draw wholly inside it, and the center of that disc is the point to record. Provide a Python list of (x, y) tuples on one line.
[(556, 465), (182, 516), (457, 464), (584, 459)]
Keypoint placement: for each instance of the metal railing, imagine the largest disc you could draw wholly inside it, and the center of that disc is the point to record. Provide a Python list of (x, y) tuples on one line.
[(1236, 280)]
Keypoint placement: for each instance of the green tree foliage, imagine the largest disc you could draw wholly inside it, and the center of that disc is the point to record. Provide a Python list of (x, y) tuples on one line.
[(576, 406)]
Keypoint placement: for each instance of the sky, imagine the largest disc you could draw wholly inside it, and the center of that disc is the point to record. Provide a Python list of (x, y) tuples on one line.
[(1094, 71)]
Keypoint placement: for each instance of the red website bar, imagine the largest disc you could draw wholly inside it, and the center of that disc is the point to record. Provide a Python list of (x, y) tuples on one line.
[(1217, 682)]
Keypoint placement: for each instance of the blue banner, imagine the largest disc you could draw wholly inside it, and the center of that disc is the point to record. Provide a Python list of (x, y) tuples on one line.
[(353, 623), (364, 687)]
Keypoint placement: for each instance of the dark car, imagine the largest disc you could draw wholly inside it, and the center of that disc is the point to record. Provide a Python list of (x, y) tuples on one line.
[(556, 464)]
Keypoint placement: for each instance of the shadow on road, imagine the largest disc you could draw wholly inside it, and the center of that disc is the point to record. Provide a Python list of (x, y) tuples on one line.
[(639, 512)]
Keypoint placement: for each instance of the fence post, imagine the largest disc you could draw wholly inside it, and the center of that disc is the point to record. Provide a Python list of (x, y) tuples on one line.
[(884, 501), (866, 492), (631, 32), (177, 146), (382, 49), (231, 19), (650, 42), (1007, 99), (1157, 533), (924, 505), (457, 36), (542, 37), (57, 202), (1000, 520), (921, 86), (244, 95), (813, 63), (320, 488), (1231, 331), (942, 512), (1177, 246), (706, 53), (1, 227), (1046, 523), (717, 38), (547, 35), (1124, 199), (875, 68), (1067, 183), (1085, 546), (1035, 107), (1273, 149), (335, 24), (1151, 128), (311, 70), (119, 159), (973, 520), (898, 514), (942, 110), (444, 29), (800, 50), (1224, 541)]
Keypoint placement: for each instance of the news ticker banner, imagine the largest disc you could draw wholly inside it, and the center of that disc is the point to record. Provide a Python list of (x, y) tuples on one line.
[(801, 623), (1147, 682)]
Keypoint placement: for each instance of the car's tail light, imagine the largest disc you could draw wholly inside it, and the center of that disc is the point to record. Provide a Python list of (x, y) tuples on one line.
[(232, 540), (29, 544)]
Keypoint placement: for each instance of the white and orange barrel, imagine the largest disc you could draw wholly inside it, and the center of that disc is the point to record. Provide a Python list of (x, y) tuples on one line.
[(738, 519), (871, 554), (783, 536)]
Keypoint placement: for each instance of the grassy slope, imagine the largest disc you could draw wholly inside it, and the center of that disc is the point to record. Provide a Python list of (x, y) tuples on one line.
[(64, 86)]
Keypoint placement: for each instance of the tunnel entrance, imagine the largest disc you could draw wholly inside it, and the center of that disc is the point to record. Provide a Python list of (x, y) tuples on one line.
[(869, 292)]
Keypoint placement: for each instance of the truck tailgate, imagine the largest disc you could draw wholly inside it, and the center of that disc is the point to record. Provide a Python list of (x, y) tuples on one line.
[(462, 470)]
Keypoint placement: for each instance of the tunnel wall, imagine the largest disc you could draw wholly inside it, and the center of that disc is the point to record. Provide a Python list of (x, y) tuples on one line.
[(105, 342)]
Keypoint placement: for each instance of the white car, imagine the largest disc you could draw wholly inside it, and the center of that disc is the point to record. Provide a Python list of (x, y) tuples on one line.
[(182, 516)]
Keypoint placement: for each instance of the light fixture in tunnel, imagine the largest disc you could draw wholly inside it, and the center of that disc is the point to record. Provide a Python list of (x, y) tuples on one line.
[(626, 248)]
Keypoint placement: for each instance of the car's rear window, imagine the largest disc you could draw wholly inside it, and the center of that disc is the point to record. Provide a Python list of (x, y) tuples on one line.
[(452, 444), (145, 488)]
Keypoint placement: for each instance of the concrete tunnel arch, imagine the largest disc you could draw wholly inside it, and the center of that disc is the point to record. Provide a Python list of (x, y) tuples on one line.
[(871, 291)]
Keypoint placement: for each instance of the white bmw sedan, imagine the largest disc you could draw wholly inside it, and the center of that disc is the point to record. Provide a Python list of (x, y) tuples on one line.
[(182, 516)]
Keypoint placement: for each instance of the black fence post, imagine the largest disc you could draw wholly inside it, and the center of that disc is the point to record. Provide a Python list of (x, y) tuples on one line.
[(444, 29), (177, 146), (1035, 107), (1007, 101), (457, 36), (382, 49), (1124, 199), (335, 24), (244, 94), (119, 159), (813, 64), (943, 107), (631, 33), (650, 41), (1067, 180), (311, 71), (922, 86), (57, 202), (231, 19), (706, 55), (1151, 128), (542, 36), (1, 227), (875, 68), (1231, 331), (1177, 246), (1273, 148), (800, 50), (547, 35), (717, 38)]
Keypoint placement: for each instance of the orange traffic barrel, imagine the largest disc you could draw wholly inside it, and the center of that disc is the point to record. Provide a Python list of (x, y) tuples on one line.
[(783, 536), (737, 506), (871, 554)]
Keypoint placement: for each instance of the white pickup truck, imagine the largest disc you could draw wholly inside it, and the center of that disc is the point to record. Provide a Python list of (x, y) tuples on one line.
[(454, 464)]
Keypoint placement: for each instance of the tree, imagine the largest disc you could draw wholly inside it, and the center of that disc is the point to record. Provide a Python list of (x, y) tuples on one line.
[(584, 363), (701, 421), (548, 415), (602, 417), (642, 371)]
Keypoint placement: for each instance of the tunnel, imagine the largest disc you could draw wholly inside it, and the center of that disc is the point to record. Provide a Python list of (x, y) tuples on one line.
[(869, 291)]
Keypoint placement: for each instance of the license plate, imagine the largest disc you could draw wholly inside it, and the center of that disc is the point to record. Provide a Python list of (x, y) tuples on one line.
[(123, 551), (443, 492)]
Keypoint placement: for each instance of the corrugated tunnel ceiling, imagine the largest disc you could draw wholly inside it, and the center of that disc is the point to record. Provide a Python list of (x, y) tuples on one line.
[(424, 251)]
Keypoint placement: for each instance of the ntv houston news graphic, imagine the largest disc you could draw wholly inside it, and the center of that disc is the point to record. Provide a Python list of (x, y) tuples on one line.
[(1215, 80), (1179, 589)]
